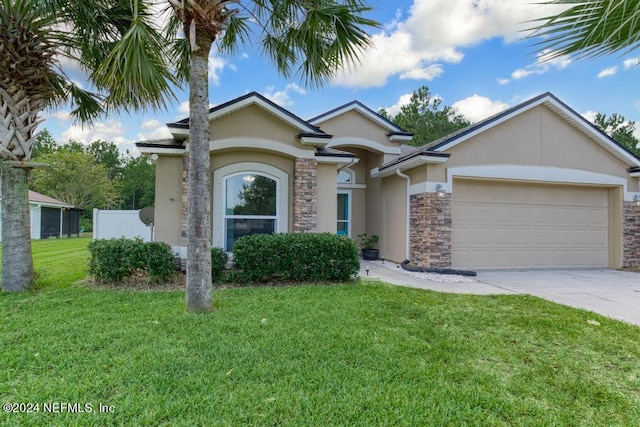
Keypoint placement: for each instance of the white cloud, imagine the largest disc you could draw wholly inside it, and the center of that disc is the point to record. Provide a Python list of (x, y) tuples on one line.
[(283, 97), (216, 65), (184, 107), (476, 107), (545, 62), (631, 62), (155, 130), (590, 115), (611, 71), (503, 81), (61, 116), (110, 131), (433, 33), (395, 108)]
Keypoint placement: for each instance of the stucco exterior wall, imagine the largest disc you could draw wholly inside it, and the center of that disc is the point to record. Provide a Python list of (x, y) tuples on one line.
[(253, 122), (537, 137), (374, 202), (326, 198), (393, 240), (168, 200), (354, 124)]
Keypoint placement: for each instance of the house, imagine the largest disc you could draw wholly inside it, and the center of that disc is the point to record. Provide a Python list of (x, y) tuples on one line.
[(536, 186), (51, 217)]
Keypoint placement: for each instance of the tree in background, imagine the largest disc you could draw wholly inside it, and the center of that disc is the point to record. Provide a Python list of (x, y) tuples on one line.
[(74, 178), (427, 118), (133, 178), (311, 39), (620, 129), (125, 61), (137, 183), (106, 154)]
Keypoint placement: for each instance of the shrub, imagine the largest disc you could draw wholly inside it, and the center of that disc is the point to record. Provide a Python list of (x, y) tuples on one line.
[(218, 262), (297, 257), (115, 259), (158, 260)]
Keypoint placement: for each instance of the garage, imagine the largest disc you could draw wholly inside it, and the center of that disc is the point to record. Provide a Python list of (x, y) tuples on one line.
[(518, 225)]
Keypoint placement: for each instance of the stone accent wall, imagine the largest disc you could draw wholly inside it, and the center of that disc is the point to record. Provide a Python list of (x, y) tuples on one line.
[(185, 195), (430, 230), (630, 235), (305, 206)]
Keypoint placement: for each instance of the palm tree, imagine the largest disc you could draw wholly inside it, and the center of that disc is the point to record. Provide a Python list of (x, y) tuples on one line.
[(123, 56), (309, 38), (590, 28)]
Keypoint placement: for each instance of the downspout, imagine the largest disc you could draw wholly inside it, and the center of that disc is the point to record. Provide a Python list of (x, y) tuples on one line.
[(408, 204)]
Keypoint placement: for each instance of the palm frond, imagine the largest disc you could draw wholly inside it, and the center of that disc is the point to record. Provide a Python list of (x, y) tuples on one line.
[(315, 38), (590, 28)]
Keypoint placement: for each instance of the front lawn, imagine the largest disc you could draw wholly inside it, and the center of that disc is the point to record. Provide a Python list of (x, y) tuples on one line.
[(364, 354)]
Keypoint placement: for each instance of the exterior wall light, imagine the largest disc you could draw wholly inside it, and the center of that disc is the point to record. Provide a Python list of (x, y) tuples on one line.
[(440, 190), (636, 200)]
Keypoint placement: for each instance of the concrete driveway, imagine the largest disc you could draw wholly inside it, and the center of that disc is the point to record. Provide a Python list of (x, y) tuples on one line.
[(612, 293)]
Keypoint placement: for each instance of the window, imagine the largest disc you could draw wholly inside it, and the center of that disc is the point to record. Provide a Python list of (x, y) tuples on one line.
[(345, 177), (250, 206), (344, 213)]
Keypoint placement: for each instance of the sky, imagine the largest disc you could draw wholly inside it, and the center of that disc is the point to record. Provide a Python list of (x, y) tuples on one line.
[(470, 53)]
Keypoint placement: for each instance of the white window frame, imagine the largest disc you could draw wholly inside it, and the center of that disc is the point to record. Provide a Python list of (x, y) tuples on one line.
[(219, 196)]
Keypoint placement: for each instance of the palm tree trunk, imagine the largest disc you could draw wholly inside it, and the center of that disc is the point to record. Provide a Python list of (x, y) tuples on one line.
[(199, 287), (17, 263)]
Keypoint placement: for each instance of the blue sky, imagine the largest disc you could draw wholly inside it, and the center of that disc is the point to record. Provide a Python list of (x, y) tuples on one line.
[(470, 53)]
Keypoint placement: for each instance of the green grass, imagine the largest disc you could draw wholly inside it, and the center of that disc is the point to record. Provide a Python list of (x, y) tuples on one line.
[(364, 354)]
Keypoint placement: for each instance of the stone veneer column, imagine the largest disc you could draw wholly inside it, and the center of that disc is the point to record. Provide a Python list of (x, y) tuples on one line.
[(185, 195), (630, 235), (305, 196), (430, 230)]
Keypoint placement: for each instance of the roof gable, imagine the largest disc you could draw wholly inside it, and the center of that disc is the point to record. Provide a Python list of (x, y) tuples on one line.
[(554, 104), (181, 127), (394, 132)]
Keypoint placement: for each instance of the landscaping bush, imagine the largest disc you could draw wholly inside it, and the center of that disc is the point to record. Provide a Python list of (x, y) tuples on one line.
[(115, 259), (296, 257), (158, 260), (218, 262)]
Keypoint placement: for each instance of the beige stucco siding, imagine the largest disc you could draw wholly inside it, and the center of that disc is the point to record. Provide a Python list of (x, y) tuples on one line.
[(394, 236), (168, 201), (537, 137), (374, 202), (354, 124), (358, 212), (327, 199), (253, 122)]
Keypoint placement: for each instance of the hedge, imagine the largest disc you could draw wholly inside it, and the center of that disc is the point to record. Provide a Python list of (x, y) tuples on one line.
[(115, 259), (296, 257)]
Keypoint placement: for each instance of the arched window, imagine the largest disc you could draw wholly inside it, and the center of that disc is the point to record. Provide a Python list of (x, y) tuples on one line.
[(248, 198), (251, 201)]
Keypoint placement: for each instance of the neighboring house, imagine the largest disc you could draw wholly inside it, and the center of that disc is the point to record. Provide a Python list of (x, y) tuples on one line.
[(51, 217), (536, 186)]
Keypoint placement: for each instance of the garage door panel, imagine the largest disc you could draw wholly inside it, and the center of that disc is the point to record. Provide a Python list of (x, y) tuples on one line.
[(507, 225)]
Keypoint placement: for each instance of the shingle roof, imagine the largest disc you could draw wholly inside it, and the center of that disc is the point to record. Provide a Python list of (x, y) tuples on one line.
[(41, 198)]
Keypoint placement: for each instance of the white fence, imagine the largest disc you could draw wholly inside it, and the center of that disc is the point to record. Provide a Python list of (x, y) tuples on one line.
[(116, 224)]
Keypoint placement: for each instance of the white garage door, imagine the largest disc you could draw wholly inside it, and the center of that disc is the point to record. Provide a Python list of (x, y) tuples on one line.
[(506, 225)]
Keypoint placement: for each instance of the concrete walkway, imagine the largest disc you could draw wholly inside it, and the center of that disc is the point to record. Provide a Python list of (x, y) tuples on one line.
[(612, 293)]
